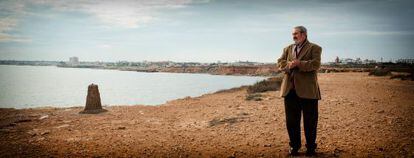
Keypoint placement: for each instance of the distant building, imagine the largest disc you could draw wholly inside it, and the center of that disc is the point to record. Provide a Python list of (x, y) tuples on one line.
[(350, 61), (406, 61), (367, 61), (358, 61), (337, 60), (347, 61), (74, 60), (244, 63)]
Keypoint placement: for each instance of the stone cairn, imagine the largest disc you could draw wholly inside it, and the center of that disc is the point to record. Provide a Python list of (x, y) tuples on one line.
[(93, 101)]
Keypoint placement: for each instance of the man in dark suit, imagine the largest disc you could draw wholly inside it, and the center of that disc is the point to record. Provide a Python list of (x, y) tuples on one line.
[(300, 62)]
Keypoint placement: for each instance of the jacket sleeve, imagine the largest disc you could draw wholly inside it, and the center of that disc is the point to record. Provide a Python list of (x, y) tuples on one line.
[(282, 61), (313, 64)]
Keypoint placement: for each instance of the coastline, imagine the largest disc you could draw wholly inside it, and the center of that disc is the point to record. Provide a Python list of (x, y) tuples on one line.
[(264, 70), (360, 116)]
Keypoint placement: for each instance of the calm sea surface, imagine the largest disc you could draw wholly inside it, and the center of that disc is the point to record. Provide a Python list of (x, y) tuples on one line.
[(36, 86)]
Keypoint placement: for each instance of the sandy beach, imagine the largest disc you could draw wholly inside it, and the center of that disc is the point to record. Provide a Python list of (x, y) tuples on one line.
[(359, 116)]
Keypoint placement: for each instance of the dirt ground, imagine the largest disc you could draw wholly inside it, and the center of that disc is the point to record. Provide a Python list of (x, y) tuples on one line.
[(359, 116)]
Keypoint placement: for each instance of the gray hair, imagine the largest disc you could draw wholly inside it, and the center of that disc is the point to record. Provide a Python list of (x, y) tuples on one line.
[(301, 29)]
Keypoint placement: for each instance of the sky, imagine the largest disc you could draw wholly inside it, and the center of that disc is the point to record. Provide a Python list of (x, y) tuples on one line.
[(202, 30)]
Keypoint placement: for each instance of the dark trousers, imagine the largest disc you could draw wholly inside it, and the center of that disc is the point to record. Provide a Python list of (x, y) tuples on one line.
[(293, 109)]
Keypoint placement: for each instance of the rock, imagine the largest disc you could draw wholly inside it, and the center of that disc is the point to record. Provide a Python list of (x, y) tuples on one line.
[(44, 132), (43, 117), (121, 128), (233, 155), (32, 133), (63, 126), (93, 101), (380, 111), (23, 120), (337, 152), (40, 139), (244, 113), (267, 145)]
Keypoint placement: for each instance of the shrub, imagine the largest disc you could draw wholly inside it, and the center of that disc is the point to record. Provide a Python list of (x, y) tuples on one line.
[(380, 72), (401, 75), (270, 84), (254, 96)]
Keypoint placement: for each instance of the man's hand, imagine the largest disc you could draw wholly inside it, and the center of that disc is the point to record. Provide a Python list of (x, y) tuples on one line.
[(293, 64)]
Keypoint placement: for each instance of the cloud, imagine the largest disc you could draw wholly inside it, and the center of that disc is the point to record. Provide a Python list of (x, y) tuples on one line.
[(124, 13), (368, 32), (8, 24), (11, 38), (11, 12)]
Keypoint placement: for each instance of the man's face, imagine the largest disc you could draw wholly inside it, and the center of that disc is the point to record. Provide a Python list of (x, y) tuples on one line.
[(298, 37)]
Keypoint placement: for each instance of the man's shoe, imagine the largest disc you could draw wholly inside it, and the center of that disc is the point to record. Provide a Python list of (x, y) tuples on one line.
[(293, 151), (310, 152)]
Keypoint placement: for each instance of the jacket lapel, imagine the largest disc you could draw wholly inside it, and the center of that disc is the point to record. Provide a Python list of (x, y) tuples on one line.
[(304, 50), (290, 54)]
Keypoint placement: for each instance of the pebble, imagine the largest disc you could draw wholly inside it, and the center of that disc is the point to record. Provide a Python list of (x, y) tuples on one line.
[(43, 117), (44, 132), (63, 126)]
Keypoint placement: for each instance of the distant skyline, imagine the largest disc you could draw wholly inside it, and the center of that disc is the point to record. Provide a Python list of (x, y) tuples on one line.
[(202, 30)]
